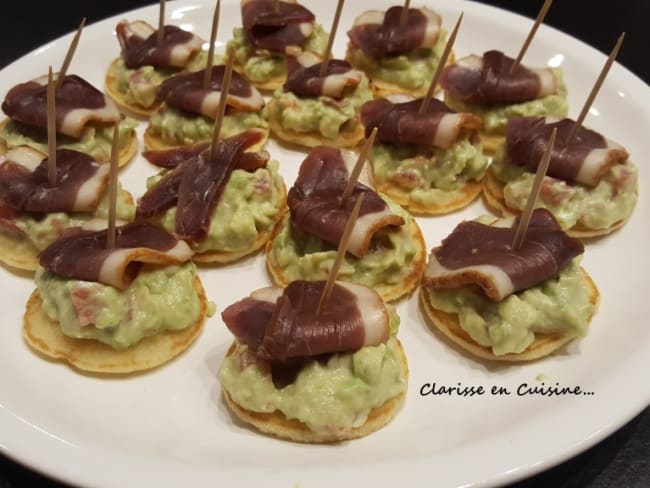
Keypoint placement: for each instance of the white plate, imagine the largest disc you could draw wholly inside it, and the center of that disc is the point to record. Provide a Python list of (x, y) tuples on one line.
[(170, 427)]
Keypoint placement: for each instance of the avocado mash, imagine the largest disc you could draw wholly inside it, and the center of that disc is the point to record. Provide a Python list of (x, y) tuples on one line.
[(600, 207), (96, 139), (264, 66), (249, 205), (320, 115), (305, 257), (431, 176), (412, 71), (41, 232), (180, 128), (509, 326), (495, 117), (329, 396), (160, 298)]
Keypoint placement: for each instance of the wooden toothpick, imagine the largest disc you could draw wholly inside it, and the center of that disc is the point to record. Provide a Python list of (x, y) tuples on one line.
[(51, 128), (161, 23), (340, 254), (405, 13), (225, 86), (540, 18), (330, 40), (524, 219), (112, 187), (595, 89), (213, 37), (277, 6), (71, 50), (443, 60), (356, 171)]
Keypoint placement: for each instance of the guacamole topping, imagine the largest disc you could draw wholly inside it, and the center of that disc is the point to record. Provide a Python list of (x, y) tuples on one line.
[(331, 396), (321, 114), (249, 205), (158, 299), (176, 127), (600, 207), (495, 117), (509, 326), (429, 175), (412, 71), (301, 256), (263, 67), (96, 139), (41, 232)]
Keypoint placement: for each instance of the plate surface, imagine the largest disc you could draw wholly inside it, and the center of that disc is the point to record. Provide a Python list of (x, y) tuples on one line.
[(170, 426)]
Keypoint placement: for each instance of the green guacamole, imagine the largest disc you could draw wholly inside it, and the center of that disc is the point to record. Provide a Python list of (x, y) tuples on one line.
[(159, 299), (305, 257), (412, 71), (263, 67), (509, 326), (249, 206), (495, 117), (319, 114), (42, 232), (429, 175), (96, 139), (611, 201), (180, 128), (329, 397)]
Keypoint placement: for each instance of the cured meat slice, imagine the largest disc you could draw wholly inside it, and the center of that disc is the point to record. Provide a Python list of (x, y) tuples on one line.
[(185, 92), (139, 42), (83, 255), (195, 185), (379, 34), (398, 121), (170, 158), (77, 103), (304, 79), (479, 254), (81, 182), (271, 30), (281, 325), (585, 160), (488, 80), (315, 200)]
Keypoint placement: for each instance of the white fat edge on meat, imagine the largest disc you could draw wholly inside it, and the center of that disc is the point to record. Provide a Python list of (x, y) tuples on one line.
[(471, 62), (91, 190), (138, 28), (252, 103), (432, 29), (25, 156), (366, 176), (335, 84), (181, 54), (306, 28), (365, 227), (375, 319), (598, 161), (268, 294), (548, 83), (115, 264), (448, 130), (97, 224)]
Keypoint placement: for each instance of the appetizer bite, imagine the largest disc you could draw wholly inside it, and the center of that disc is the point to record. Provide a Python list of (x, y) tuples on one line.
[(314, 108), (310, 375), (115, 310), (269, 27), (223, 202), (500, 302), (399, 49), (429, 162), (591, 186), (386, 250)]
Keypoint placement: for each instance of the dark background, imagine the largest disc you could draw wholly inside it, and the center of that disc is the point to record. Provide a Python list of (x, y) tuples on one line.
[(623, 459)]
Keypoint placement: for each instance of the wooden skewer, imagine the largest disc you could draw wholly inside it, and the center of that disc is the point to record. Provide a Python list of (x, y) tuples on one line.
[(330, 40), (405, 13), (540, 18), (71, 50), (595, 89), (443, 60), (112, 187), (161, 23), (225, 86), (213, 37), (361, 160), (277, 6), (340, 254), (524, 219), (51, 128)]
